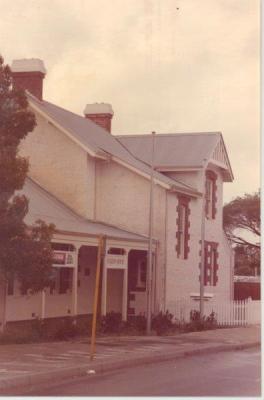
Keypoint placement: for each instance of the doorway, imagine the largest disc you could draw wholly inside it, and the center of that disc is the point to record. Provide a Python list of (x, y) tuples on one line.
[(115, 281)]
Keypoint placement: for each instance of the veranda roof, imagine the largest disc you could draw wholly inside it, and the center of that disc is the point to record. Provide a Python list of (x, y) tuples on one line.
[(43, 205)]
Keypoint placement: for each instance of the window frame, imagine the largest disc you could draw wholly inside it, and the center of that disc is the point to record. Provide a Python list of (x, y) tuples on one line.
[(141, 270), (210, 194), (211, 263), (183, 225)]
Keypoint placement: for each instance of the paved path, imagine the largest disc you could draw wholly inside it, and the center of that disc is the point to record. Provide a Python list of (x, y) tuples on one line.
[(221, 374), (30, 364)]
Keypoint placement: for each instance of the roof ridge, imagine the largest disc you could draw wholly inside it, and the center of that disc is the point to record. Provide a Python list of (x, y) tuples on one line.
[(64, 109), (128, 157), (168, 134)]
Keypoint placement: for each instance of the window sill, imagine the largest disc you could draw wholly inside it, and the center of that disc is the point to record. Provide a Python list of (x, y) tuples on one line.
[(196, 296)]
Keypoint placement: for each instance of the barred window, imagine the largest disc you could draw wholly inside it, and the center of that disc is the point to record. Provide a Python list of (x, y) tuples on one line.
[(211, 263), (183, 225), (210, 195)]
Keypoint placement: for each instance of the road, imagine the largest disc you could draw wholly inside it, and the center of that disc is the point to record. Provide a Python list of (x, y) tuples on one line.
[(235, 373)]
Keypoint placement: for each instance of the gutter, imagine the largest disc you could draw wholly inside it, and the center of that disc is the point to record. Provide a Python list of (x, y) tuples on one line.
[(94, 235), (188, 192)]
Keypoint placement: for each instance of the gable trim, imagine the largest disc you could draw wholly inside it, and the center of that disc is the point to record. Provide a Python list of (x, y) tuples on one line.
[(224, 166)]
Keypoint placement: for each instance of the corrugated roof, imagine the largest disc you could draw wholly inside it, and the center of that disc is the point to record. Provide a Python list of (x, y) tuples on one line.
[(98, 139), (42, 205), (180, 150)]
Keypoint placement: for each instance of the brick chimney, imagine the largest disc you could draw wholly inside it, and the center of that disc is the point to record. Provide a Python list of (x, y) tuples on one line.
[(100, 113), (28, 74)]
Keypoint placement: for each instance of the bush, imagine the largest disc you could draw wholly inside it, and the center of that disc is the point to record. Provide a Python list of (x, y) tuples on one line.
[(20, 337), (42, 330), (162, 323), (136, 325), (111, 323), (67, 329), (200, 324)]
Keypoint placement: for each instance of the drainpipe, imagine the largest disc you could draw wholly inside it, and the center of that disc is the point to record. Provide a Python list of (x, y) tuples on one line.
[(202, 244), (149, 270)]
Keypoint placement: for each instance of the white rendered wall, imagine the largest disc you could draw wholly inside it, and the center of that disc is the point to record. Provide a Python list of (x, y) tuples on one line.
[(60, 166), (122, 199), (182, 277)]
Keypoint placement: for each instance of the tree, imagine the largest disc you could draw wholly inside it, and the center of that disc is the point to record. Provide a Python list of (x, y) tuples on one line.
[(25, 252), (247, 260), (241, 219)]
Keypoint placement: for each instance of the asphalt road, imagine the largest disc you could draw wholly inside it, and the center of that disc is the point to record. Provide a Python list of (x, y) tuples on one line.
[(234, 373)]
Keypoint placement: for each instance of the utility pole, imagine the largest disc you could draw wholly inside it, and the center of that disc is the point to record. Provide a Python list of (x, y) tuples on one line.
[(149, 268), (202, 243), (96, 295)]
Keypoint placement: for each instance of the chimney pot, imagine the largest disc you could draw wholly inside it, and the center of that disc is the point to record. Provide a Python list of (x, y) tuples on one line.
[(28, 74), (100, 113)]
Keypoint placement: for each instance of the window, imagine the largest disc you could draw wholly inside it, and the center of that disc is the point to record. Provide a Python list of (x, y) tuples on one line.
[(183, 225), (210, 195), (209, 198), (10, 286), (182, 228), (61, 280), (141, 274), (65, 280), (210, 264)]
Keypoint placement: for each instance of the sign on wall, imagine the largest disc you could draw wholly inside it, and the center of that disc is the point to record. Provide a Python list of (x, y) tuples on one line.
[(115, 261), (65, 259)]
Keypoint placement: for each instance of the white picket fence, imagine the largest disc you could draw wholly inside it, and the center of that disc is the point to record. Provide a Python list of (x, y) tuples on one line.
[(228, 313)]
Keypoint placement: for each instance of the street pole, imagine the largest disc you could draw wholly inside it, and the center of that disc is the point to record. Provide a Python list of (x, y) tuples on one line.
[(96, 295), (202, 245), (149, 269)]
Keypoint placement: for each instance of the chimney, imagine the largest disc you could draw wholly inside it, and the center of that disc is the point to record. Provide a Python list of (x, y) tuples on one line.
[(28, 74), (100, 113)]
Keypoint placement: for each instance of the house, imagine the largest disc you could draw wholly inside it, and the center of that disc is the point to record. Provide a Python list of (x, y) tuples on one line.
[(90, 182), (246, 286)]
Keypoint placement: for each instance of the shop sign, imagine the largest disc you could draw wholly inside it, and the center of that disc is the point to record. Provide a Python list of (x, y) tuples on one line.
[(116, 261), (63, 259)]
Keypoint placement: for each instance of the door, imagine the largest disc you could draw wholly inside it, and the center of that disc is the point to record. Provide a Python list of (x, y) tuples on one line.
[(114, 297)]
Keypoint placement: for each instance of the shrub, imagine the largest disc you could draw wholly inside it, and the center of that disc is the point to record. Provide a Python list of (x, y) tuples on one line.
[(111, 323), (162, 323), (200, 324), (135, 325), (67, 329)]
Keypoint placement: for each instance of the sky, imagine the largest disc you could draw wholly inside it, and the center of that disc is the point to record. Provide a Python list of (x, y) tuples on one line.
[(165, 65)]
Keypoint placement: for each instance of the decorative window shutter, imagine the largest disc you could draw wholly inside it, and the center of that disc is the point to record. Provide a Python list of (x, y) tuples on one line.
[(213, 177), (183, 201), (215, 270)]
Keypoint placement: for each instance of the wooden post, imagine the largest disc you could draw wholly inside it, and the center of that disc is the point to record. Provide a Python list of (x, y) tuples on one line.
[(75, 287), (4, 298), (96, 294), (124, 299), (104, 288), (149, 259), (43, 303)]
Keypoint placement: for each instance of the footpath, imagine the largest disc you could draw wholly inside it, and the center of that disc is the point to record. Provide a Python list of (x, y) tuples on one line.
[(24, 367)]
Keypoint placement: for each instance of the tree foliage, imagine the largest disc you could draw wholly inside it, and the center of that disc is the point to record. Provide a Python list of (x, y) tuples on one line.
[(25, 252), (247, 260), (241, 219)]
